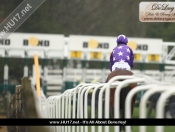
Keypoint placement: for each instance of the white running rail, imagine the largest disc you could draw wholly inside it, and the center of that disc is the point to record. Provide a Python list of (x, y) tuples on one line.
[(73, 102)]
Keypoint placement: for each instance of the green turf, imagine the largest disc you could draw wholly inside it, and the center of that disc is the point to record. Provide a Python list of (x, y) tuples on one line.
[(134, 128)]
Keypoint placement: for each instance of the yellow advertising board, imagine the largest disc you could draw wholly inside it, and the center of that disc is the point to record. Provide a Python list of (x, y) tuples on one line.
[(153, 57), (76, 54), (137, 57), (95, 55)]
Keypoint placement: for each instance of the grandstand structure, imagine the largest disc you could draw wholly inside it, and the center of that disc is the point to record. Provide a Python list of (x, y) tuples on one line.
[(84, 49)]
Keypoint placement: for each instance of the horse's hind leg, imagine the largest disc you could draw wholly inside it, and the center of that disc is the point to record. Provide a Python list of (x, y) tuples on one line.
[(112, 91), (122, 106), (111, 112), (123, 95)]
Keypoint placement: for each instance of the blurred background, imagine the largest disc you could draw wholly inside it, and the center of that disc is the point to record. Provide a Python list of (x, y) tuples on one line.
[(104, 18), (87, 17), (83, 17)]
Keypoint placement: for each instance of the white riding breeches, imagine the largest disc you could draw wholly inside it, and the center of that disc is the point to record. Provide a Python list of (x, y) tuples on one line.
[(121, 65)]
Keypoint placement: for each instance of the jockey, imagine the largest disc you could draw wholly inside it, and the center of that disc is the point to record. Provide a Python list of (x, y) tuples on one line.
[(122, 55)]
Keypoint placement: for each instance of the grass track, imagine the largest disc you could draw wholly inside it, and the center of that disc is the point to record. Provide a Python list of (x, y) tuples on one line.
[(136, 128)]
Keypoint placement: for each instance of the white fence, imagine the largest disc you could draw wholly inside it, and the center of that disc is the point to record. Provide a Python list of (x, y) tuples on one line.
[(70, 104), (55, 78)]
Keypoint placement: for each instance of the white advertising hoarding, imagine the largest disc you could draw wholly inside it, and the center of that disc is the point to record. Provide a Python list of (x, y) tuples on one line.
[(78, 46), (146, 45), (91, 43), (94, 46), (34, 42), (106, 44)]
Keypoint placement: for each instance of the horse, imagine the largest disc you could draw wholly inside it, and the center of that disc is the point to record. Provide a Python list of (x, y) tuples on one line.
[(123, 93)]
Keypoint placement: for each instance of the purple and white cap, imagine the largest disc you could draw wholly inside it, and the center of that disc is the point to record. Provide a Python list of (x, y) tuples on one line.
[(122, 39)]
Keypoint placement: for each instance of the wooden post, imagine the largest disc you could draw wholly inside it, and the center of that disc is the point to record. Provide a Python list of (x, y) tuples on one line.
[(29, 106)]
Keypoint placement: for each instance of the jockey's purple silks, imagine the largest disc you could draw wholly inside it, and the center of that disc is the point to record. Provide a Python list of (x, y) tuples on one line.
[(122, 52)]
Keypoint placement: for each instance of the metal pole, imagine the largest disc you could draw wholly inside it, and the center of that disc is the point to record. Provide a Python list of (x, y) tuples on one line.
[(103, 68), (84, 69), (64, 74), (162, 69), (44, 82), (142, 69), (26, 66), (6, 72)]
